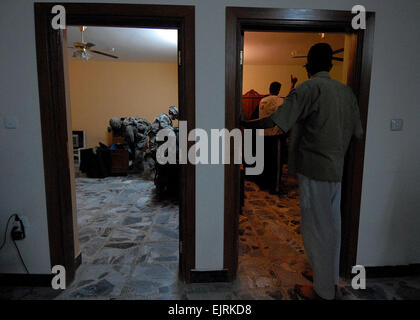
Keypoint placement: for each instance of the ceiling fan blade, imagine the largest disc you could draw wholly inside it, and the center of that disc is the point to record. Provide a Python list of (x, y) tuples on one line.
[(90, 45), (71, 47), (334, 52), (334, 58), (104, 54)]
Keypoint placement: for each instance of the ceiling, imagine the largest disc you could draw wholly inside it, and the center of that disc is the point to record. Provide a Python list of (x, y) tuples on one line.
[(160, 45), (277, 48), (130, 44)]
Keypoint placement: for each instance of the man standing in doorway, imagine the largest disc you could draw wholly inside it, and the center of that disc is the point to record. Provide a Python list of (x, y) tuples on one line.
[(328, 116)]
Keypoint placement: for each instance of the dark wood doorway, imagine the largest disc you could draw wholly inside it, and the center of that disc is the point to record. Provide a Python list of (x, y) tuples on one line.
[(240, 19), (52, 98)]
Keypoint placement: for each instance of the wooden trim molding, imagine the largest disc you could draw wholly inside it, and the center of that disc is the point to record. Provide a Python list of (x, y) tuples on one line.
[(351, 195), (54, 140), (78, 261), (393, 271), (25, 280), (31, 280), (239, 19), (51, 86)]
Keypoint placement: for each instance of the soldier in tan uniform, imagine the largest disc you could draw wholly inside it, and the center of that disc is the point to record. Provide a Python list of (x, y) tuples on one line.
[(327, 115)]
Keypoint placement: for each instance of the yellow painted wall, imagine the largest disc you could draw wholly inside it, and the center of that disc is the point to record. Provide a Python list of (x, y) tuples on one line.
[(259, 77), (100, 90)]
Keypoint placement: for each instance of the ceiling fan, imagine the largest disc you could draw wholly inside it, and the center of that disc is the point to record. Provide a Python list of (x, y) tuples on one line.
[(84, 49), (334, 58)]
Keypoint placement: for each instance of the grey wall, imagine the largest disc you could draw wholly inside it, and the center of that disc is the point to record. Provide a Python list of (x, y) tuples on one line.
[(390, 204)]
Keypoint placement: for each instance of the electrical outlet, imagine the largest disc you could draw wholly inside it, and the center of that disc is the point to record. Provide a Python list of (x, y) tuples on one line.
[(18, 234), (18, 230)]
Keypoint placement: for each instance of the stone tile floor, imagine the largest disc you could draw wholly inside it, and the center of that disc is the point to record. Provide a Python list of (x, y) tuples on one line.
[(129, 244), (128, 239), (272, 256)]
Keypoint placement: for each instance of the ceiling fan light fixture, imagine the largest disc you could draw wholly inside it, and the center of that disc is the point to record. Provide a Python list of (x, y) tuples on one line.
[(82, 55)]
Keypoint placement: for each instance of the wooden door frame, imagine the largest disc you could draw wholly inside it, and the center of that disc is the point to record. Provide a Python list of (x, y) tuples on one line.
[(52, 100), (295, 20)]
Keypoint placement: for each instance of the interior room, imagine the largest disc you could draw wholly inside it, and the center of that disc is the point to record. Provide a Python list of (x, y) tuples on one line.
[(123, 88), (271, 251), (39, 189)]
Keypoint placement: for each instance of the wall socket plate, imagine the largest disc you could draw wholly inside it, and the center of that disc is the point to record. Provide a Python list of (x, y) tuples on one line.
[(25, 222), (396, 124)]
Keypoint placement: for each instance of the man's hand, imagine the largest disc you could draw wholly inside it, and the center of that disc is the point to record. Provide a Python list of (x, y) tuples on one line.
[(293, 80)]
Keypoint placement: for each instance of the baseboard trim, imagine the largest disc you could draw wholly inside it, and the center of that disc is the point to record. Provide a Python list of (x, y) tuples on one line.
[(78, 261), (209, 276), (393, 271), (31, 280), (25, 280)]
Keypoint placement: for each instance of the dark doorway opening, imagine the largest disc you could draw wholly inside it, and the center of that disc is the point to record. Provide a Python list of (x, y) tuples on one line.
[(53, 96), (239, 20)]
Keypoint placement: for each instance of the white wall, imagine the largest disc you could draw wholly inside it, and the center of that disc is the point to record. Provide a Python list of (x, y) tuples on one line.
[(21, 165), (389, 221), (389, 230)]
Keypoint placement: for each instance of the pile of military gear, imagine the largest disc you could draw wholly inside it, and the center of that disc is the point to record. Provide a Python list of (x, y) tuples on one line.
[(135, 131), (140, 137), (166, 175)]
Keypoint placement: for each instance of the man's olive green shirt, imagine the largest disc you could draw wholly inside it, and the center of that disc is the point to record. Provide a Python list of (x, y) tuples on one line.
[(327, 115)]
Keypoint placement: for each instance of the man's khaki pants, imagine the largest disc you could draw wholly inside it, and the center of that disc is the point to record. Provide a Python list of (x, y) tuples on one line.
[(321, 231)]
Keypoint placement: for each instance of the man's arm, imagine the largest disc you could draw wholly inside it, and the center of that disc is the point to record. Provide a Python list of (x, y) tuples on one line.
[(296, 106), (263, 123), (293, 81)]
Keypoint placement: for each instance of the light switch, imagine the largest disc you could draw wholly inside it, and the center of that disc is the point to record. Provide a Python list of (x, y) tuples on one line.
[(396, 124), (10, 122)]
